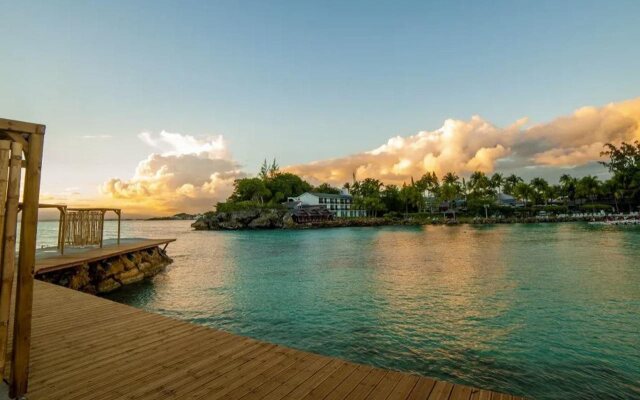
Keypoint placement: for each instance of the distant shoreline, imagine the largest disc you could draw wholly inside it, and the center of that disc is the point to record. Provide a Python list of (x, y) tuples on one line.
[(260, 220)]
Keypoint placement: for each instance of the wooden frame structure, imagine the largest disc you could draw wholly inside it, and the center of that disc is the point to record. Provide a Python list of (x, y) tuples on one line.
[(21, 146), (63, 222), (62, 234)]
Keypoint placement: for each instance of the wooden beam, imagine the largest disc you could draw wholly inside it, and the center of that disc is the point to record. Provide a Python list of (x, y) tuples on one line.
[(20, 126), (18, 137), (26, 266), (119, 216), (9, 249)]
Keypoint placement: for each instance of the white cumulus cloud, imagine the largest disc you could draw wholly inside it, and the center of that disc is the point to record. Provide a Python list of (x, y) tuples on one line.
[(186, 174), (477, 144)]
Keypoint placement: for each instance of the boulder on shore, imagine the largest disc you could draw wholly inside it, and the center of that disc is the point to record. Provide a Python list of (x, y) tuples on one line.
[(258, 218), (108, 285)]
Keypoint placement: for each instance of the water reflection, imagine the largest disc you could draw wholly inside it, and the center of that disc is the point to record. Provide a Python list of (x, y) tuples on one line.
[(504, 307)]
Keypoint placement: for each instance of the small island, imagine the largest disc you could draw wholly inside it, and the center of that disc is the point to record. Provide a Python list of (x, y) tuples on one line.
[(175, 217)]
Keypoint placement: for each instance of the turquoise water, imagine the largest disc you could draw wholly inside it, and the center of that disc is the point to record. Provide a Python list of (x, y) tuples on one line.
[(545, 311)]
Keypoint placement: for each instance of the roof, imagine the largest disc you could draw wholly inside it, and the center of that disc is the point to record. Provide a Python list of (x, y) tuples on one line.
[(505, 197), (310, 211), (331, 195)]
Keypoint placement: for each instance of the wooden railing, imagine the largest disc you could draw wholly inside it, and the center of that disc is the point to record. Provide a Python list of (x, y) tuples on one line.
[(21, 145)]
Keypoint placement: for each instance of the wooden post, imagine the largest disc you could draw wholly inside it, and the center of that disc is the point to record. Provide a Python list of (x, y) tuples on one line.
[(63, 233), (9, 249), (101, 228), (119, 215), (26, 264), (5, 147)]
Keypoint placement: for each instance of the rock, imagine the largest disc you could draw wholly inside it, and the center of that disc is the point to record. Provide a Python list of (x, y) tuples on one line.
[(230, 225), (287, 220), (128, 264), (108, 285), (149, 269), (81, 278), (244, 217), (129, 277), (265, 220), (114, 267), (91, 289), (200, 224)]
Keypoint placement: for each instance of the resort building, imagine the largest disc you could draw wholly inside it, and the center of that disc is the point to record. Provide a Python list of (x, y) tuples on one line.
[(503, 199), (338, 204)]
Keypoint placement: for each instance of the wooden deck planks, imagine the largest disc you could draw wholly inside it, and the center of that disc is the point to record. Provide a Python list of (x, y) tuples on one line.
[(88, 347), (75, 259)]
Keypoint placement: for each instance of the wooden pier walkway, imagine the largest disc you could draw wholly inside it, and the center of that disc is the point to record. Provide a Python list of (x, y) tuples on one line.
[(87, 347), (75, 258)]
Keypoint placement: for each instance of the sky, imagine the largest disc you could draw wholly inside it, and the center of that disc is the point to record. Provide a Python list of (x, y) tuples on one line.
[(157, 106)]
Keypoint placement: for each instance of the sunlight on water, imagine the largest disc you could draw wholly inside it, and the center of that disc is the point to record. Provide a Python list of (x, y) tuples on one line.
[(545, 311)]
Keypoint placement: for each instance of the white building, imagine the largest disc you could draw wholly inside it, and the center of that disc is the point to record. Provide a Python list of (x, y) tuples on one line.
[(339, 204)]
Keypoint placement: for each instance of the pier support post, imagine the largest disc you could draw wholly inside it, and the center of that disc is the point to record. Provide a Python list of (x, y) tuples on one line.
[(9, 248), (26, 264)]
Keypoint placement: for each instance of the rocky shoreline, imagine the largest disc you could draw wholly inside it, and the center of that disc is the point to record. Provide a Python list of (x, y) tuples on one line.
[(281, 219), (108, 275)]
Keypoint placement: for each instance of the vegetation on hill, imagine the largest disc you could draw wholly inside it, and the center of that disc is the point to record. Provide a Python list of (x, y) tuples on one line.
[(478, 191)]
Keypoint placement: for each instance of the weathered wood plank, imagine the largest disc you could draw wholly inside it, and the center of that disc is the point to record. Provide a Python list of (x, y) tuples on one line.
[(441, 391), (422, 389), (132, 354), (58, 262)]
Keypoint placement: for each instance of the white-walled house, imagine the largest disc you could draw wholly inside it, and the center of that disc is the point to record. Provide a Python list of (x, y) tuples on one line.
[(339, 204)]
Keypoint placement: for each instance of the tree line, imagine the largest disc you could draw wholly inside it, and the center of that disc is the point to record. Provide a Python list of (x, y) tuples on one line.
[(477, 192)]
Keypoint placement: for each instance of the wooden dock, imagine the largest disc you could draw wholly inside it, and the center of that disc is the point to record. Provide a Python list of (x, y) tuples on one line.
[(56, 261), (87, 347)]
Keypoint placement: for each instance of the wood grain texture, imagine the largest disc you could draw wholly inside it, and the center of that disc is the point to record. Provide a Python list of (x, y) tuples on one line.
[(84, 347)]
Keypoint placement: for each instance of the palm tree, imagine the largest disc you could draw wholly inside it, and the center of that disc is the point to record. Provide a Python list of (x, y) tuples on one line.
[(589, 187), (510, 183), (568, 185), (541, 187), (523, 192), (451, 178), (479, 184), (497, 180)]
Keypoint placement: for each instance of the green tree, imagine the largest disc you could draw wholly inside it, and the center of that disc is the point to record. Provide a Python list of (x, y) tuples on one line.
[(588, 187), (285, 184), (326, 188), (451, 178), (391, 198), (366, 195), (624, 164), (249, 189), (568, 186), (523, 192), (540, 190), (411, 198), (510, 183), (480, 185), (264, 171), (497, 181)]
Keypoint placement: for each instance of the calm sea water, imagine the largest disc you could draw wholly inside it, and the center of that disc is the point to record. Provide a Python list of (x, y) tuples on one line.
[(546, 311)]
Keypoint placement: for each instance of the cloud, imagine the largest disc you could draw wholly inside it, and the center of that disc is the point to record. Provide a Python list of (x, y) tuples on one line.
[(476, 144), (191, 173), (187, 174)]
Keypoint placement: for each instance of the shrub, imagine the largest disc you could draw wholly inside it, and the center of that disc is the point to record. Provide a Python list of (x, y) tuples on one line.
[(595, 207), (230, 206)]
